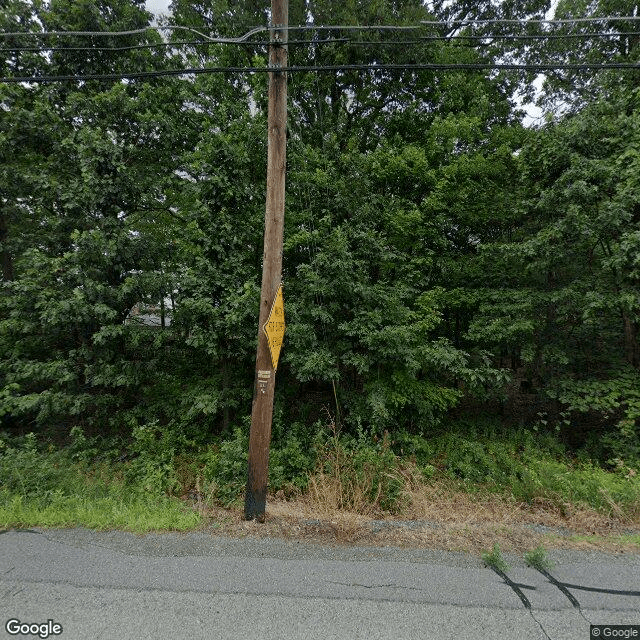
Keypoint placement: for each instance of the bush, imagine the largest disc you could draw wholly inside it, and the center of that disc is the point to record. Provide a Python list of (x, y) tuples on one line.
[(616, 400), (586, 484), (289, 466), (357, 475), (225, 469), (51, 488), (534, 468), (31, 474), (153, 468), (478, 460), (291, 458)]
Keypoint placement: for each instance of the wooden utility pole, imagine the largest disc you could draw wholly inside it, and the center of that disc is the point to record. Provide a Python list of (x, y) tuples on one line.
[(264, 382)]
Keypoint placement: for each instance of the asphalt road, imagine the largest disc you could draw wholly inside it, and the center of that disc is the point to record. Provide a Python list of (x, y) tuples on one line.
[(116, 585)]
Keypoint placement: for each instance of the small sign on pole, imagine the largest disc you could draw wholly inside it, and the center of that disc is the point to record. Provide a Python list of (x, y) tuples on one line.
[(275, 327)]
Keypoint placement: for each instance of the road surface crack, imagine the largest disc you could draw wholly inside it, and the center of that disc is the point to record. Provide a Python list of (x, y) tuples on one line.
[(563, 587), (525, 601), (374, 586)]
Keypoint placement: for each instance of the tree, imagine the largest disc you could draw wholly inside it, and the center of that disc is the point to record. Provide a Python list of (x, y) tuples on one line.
[(608, 40), (569, 305), (83, 207), (431, 241), (158, 187)]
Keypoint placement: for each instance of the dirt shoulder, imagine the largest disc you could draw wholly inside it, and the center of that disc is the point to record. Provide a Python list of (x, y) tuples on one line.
[(444, 520)]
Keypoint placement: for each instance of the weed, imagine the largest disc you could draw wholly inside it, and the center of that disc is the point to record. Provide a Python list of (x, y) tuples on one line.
[(225, 469), (535, 471), (290, 465), (538, 559), (153, 468), (495, 560), (82, 449), (364, 477)]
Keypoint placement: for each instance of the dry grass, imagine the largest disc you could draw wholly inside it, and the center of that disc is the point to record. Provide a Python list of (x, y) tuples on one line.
[(438, 515), (362, 482), (347, 495), (341, 491)]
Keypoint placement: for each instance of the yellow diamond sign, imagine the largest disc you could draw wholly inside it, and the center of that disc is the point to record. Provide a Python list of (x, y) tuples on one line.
[(274, 327)]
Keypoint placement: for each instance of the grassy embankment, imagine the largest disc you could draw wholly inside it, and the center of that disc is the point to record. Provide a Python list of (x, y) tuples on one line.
[(473, 484)]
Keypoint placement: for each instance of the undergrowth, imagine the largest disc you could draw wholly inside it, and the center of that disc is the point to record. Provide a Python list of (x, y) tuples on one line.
[(532, 468), (359, 475), (153, 480), (58, 488)]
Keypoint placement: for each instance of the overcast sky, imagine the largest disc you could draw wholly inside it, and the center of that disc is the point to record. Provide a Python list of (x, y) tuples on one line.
[(158, 6)]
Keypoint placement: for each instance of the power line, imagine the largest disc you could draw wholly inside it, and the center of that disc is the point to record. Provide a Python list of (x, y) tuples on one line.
[(488, 36), (131, 47), (241, 38), (526, 22), (311, 27), (324, 69), (155, 45), (170, 43), (108, 34), (324, 41)]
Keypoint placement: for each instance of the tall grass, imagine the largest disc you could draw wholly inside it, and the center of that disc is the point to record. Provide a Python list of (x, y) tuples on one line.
[(333, 472), (358, 475), (52, 489)]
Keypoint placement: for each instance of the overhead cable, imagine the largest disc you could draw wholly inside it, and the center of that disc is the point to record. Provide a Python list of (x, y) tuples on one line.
[(108, 34), (465, 23), (323, 69), (246, 36), (325, 41), (312, 27)]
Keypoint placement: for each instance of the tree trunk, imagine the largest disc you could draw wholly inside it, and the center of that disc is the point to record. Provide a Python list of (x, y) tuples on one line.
[(226, 418), (5, 256), (631, 347)]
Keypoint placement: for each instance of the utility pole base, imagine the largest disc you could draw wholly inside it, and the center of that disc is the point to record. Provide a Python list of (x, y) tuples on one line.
[(255, 504)]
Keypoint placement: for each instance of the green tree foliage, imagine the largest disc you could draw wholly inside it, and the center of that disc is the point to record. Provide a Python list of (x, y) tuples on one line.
[(431, 241), (81, 233), (569, 305), (571, 90)]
